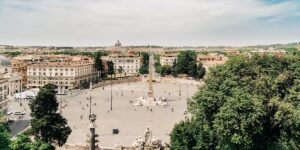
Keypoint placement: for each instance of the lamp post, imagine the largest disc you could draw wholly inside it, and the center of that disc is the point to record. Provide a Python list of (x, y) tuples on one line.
[(187, 89), (90, 98), (111, 93)]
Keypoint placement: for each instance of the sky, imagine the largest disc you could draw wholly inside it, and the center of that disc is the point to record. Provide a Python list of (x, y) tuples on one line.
[(149, 22)]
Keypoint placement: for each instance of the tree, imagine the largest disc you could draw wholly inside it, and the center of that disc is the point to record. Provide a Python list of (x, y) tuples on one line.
[(4, 138), (200, 72), (166, 70), (175, 68), (111, 69), (98, 63), (186, 60), (192, 69), (184, 135), (248, 103), (145, 67), (23, 142), (47, 125), (157, 67)]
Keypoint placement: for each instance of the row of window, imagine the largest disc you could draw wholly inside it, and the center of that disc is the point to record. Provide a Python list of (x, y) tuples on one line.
[(128, 67), (125, 61), (131, 70), (61, 69), (1, 88), (50, 69), (3, 97), (53, 82)]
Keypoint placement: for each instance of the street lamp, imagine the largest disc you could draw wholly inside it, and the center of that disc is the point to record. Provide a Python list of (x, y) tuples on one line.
[(111, 93), (187, 89)]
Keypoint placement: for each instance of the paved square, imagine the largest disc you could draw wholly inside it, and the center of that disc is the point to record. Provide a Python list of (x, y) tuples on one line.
[(130, 120)]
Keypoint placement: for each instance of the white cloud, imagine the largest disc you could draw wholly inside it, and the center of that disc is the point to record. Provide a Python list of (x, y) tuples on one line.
[(167, 22)]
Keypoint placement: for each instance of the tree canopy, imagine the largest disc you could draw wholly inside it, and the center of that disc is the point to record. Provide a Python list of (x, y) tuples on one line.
[(111, 69), (46, 124), (23, 142), (248, 103), (186, 63), (4, 137), (145, 67), (98, 62)]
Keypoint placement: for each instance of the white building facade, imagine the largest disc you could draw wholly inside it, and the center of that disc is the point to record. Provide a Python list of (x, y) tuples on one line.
[(167, 60), (3, 95), (14, 83), (130, 64), (66, 75)]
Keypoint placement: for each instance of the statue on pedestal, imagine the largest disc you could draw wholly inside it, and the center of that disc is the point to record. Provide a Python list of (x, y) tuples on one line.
[(148, 142)]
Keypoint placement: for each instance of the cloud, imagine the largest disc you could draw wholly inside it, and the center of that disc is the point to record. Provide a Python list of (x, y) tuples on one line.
[(167, 22)]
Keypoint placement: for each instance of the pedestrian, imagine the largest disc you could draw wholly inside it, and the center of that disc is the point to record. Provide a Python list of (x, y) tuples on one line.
[(151, 109), (172, 109), (81, 117)]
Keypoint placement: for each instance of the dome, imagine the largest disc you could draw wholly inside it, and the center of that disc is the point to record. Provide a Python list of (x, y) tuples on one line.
[(4, 61), (118, 44)]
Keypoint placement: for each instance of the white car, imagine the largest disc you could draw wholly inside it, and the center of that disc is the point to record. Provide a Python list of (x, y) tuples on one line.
[(9, 113), (19, 113)]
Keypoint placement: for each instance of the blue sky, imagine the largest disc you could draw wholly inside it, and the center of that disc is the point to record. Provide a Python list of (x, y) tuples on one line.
[(143, 22)]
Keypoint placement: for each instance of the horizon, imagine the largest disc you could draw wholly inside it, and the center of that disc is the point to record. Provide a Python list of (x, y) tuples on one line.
[(271, 44)]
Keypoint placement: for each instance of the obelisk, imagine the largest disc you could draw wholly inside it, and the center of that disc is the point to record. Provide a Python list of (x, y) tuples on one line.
[(150, 77)]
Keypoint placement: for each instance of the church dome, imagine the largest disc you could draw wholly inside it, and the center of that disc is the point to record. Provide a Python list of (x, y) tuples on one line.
[(4, 61), (118, 44)]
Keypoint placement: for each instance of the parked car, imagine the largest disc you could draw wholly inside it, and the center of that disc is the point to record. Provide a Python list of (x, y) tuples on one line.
[(19, 113), (115, 131), (9, 113)]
